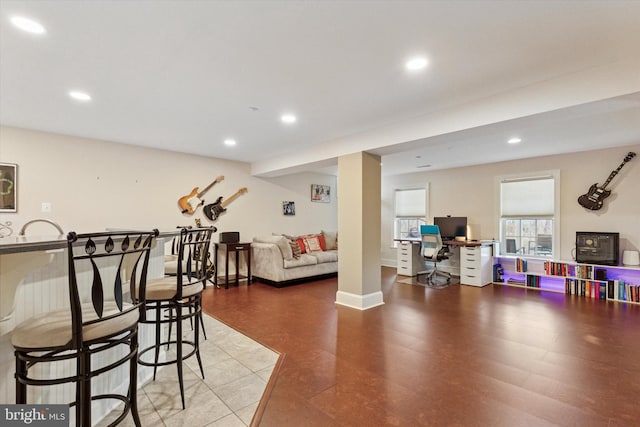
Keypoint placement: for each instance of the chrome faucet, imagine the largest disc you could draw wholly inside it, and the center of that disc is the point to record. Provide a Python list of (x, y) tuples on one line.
[(24, 227)]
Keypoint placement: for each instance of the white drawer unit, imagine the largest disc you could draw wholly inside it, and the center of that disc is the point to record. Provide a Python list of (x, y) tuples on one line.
[(409, 261), (475, 265)]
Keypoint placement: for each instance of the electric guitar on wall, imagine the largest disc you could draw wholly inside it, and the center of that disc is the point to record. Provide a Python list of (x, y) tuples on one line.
[(213, 210), (593, 198), (189, 203)]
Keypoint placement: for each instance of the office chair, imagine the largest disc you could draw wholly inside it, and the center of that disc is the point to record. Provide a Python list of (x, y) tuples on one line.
[(433, 250)]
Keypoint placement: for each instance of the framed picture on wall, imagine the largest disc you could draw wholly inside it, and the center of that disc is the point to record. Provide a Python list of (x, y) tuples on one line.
[(8, 187), (320, 193), (288, 208)]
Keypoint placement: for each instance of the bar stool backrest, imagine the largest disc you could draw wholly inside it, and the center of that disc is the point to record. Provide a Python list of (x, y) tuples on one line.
[(193, 256), (113, 262)]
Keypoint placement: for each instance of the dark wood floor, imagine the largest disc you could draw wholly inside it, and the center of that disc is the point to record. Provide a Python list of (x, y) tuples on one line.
[(460, 356)]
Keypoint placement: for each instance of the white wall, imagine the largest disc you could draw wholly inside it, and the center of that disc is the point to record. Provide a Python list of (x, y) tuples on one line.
[(471, 192), (96, 184)]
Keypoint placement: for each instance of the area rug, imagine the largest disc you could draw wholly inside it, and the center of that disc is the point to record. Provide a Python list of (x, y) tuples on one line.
[(439, 283)]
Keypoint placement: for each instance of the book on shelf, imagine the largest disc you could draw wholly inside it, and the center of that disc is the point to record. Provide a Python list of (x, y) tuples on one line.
[(612, 290), (571, 286), (533, 281), (584, 271), (556, 268), (602, 294), (622, 292), (515, 281), (521, 265)]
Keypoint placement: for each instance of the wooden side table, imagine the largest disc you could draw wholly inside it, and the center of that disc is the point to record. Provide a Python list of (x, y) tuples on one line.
[(228, 249)]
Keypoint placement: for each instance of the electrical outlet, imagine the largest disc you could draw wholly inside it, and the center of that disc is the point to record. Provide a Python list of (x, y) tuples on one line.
[(46, 206)]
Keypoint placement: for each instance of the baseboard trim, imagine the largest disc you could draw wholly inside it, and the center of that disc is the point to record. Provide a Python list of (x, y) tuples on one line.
[(359, 302), (293, 281)]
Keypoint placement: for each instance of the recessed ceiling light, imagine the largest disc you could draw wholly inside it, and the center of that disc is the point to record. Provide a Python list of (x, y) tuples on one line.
[(230, 142), (80, 96), (416, 64), (514, 140), (288, 118), (28, 25)]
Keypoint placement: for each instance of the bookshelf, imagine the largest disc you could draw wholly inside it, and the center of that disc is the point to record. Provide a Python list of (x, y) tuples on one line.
[(601, 282)]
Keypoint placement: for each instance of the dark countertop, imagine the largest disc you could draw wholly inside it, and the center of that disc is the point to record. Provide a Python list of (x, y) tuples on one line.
[(17, 244)]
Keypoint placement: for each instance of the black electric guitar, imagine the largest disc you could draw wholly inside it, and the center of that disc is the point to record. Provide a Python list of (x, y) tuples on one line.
[(213, 210), (189, 203), (594, 197)]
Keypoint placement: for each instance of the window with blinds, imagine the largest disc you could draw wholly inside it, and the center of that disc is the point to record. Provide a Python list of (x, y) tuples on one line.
[(410, 212), (528, 209)]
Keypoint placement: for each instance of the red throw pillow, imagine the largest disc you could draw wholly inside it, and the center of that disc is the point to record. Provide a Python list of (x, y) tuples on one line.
[(301, 244), (323, 243)]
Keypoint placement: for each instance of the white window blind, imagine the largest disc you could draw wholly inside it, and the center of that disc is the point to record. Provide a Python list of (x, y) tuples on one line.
[(530, 197), (411, 203)]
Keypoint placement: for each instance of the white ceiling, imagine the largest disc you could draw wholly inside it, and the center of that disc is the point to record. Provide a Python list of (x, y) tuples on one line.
[(182, 76)]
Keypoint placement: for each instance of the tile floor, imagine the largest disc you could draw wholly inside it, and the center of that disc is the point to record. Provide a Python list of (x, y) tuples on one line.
[(236, 370)]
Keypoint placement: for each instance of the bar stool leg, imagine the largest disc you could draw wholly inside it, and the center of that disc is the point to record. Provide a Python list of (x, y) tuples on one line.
[(170, 309), (204, 331), (198, 309), (133, 381), (179, 350), (157, 347), (84, 404), (21, 388)]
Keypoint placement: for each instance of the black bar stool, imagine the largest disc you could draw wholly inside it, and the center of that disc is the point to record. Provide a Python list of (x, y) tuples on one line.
[(181, 297), (115, 261)]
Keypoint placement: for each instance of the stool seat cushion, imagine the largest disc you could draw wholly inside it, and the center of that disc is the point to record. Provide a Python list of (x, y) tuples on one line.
[(164, 288), (53, 329), (171, 266)]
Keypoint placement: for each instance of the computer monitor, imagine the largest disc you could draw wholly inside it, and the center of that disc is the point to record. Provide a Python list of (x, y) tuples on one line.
[(451, 226)]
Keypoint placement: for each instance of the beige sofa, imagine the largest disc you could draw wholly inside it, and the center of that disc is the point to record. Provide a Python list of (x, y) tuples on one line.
[(274, 261)]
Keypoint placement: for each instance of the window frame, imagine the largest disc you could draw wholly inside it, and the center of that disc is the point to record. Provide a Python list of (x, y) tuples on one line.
[(420, 219), (555, 218)]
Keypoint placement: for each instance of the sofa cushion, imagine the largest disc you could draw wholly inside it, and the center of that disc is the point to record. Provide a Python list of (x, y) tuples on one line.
[(327, 256), (305, 259), (331, 239), (282, 243)]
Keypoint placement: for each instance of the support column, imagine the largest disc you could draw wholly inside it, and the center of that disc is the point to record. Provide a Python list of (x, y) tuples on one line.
[(359, 200)]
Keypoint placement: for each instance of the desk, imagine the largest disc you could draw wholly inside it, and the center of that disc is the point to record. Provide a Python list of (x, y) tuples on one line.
[(232, 248), (473, 264), (476, 267), (409, 261)]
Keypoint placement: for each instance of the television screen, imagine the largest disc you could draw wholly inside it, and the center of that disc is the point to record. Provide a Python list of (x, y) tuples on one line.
[(451, 226), (597, 248)]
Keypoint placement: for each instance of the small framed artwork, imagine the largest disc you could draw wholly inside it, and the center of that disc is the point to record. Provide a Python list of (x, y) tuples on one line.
[(320, 193), (288, 208), (8, 187)]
